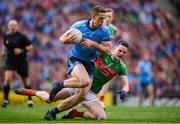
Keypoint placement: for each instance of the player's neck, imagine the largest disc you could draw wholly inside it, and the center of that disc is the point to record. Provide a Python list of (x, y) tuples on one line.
[(108, 24), (92, 25), (13, 33), (115, 59)]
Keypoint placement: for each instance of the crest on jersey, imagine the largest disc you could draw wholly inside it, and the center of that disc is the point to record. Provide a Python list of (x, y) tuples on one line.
[(115, 67), (7, 42)]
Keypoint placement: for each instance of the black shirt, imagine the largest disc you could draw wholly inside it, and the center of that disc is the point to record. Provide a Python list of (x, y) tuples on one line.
[(17, 40)]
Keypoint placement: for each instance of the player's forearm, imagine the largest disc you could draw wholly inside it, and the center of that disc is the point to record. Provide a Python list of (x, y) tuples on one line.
[(125, 84), (102, 49), (126, 87)]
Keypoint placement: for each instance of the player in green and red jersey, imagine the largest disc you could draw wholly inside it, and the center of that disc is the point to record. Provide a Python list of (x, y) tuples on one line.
[(107, 67), (109, 20), (113, 30)]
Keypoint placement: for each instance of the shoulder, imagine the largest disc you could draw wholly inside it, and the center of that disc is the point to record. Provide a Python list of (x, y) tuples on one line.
[(80, 23), (105, 28), (141, 62), (6, 34), (20, 34), (122, 64), (112, 26), (104, 55)]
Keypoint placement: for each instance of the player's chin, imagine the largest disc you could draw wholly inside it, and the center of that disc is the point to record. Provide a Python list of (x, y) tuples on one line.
[(99, 25), (118, 58)]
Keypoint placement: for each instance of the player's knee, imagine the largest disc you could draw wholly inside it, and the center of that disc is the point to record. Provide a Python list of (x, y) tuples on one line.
[(49, 101), (7, 81)]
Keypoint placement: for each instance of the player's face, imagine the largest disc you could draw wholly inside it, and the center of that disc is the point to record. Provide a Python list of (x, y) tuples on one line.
[(109, 17), (145, 56), (99, 19), (13, 26), (119, 52)]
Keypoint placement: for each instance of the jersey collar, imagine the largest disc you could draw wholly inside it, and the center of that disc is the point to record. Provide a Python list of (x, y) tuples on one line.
[(88, 25), (116, 61)]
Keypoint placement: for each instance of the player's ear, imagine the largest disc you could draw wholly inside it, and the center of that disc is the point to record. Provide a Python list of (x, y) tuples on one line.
[(93, 16), (113, 49)]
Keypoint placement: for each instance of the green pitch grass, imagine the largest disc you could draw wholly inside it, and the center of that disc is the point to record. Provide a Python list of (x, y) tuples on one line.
[(23, 114)]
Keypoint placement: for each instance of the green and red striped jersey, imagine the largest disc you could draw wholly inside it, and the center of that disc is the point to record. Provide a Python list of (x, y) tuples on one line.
[(105, 69)]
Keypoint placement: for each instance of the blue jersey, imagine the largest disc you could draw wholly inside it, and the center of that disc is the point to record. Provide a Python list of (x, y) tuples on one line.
[(98, 35), (146, 71)]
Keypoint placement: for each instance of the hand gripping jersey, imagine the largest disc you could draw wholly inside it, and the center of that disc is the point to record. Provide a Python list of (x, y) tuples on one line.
[(105, 69)]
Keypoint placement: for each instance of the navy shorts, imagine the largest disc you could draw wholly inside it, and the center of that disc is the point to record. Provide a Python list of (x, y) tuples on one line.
[(73, 61)]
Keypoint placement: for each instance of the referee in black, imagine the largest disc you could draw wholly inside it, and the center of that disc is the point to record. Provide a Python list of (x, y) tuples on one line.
[(15, 47)]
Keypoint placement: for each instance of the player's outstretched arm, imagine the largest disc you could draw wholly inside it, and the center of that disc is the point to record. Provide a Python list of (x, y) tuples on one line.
[(124, 83), (104, 48), (125, 87)]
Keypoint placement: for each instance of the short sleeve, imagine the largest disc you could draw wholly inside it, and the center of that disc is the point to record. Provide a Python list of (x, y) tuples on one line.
[(75, 25), (26, 41), (106, 35)]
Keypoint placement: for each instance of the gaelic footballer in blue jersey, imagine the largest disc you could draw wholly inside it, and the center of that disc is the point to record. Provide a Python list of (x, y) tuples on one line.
[(96, 38)]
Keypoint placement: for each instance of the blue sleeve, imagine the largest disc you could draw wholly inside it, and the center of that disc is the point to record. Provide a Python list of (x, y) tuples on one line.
[(73, 25), (106, 35), (76, 25)]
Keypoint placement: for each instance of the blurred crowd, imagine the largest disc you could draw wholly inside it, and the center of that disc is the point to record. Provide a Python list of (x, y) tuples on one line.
[(141, 22)]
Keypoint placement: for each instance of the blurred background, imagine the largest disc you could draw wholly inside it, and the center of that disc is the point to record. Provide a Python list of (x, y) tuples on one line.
[(152, 28)]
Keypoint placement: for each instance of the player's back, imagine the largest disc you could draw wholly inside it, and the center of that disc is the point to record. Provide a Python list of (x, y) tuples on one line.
[(98, 35)]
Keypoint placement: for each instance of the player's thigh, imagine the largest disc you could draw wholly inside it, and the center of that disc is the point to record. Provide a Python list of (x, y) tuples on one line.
[(63, 94), (8, 76), (80, 72), (96, 109)]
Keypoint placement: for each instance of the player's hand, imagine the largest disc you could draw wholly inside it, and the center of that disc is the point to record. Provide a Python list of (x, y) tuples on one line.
[(68, 38), (18, 51), (122, 94), (48, 101), (87, 44), (71, 38)]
